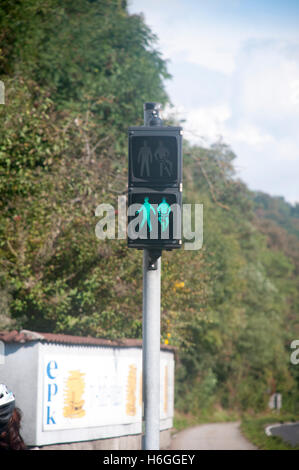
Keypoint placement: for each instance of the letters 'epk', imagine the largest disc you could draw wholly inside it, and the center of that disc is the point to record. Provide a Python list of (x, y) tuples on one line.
[(155, 187)]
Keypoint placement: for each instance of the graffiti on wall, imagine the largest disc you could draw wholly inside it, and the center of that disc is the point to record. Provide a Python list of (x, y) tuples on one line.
[(85, 391), (73, 402)]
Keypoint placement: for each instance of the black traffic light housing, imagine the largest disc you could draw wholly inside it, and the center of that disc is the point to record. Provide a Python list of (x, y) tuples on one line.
[(155, 157), (154, 184)]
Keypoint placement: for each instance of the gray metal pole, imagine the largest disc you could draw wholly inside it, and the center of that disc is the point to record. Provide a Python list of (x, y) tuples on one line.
[(151, 352), (151, 327)]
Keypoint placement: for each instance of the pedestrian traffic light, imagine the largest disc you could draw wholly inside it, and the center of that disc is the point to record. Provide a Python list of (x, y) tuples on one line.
[(154, 219), (155, 187), (155, 156)]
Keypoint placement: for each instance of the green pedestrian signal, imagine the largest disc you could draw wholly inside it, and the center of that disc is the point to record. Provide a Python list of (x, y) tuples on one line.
[(146, 209), (164, 210), (154, 219)]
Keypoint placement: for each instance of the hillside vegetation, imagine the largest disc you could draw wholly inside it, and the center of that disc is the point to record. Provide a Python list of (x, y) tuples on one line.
[(76, 76)]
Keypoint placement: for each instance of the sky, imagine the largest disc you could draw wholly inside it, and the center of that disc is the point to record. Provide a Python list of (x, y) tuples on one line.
[(235, 76)]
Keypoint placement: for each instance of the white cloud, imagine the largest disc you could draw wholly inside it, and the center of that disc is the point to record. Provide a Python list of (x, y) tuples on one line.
[(294, 85), (270, 168), (263, 106), (239, 81), (207, 122), (249, 134), (201, 47), (195, 38), (267, 82)]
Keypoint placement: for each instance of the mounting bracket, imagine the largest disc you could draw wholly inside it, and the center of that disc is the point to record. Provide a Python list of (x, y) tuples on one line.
[(153, 256)]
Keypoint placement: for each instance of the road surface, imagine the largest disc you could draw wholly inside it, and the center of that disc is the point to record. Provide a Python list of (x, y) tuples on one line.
[(288, 432), (215, 436)]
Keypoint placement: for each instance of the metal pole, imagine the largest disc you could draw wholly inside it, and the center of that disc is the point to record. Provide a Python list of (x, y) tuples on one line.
[(151, 327), (151, 353)]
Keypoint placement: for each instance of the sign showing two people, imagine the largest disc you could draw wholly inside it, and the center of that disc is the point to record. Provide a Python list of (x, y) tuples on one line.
[(155, 158), (154, 218), (155, 189), (163, 211)]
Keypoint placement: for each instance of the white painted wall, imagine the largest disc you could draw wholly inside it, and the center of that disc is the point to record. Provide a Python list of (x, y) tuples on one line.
[(71, 393)]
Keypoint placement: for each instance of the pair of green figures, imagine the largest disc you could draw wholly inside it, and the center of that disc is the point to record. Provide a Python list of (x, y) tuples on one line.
[(163, 211)]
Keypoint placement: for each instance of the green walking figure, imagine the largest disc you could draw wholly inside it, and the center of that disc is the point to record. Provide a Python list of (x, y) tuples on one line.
[(163, 214), (146, 208)]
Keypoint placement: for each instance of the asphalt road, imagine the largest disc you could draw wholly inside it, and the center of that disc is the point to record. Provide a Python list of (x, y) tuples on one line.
[(288, 432), (215, 436)]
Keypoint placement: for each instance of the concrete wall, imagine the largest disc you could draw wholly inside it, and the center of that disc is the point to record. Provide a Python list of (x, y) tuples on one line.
[(133, 442), (46, 378)]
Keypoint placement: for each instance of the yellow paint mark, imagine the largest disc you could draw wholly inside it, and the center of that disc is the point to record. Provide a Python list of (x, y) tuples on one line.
[(140, 390), (166, 389), (131, 391), (73, 395)]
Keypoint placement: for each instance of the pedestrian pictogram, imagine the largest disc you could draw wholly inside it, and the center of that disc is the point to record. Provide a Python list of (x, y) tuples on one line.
[(164, 210), (146, 209), (145, 158), (154, 219), (155, 157), (165, 164)]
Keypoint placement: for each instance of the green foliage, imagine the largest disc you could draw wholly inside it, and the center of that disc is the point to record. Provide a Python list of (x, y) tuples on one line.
[(90, 55), (76, 76), (277, 209), (29, 136)]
